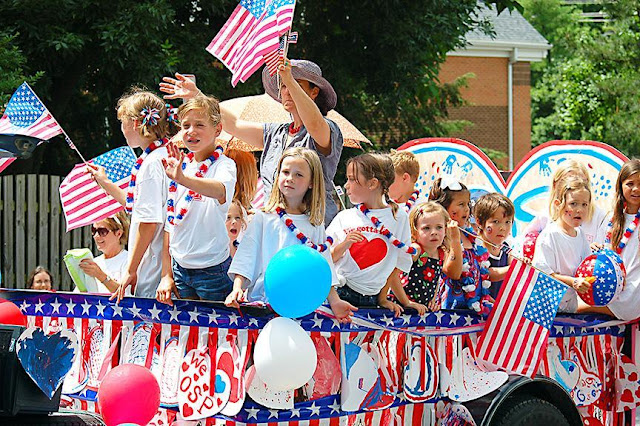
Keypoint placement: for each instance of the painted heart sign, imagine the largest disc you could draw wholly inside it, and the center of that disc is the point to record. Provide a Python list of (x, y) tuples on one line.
[(589, 387), (198, 398), (47, 359), (529, 183), (421, 371)]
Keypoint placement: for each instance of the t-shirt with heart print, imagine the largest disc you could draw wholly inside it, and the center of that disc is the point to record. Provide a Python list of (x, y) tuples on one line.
[(366, 266)]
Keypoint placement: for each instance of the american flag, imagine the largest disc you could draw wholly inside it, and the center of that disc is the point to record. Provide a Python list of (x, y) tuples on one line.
[(26, 115), (252, 31), (275, 58), (83, 200), (259, 199), (515, 335), (6, 162)]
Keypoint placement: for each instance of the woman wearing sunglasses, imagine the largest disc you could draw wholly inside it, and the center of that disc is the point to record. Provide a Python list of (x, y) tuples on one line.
[(110, 235)]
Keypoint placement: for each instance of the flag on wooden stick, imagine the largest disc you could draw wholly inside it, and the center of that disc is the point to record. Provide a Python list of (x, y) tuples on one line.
[(83, 200), (252, 31)]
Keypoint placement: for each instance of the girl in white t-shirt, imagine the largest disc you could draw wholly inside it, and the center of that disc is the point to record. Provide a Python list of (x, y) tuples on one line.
[(144, 125), (196, 254), (623, 237), (562, 245), (293, 215), (372, 240)]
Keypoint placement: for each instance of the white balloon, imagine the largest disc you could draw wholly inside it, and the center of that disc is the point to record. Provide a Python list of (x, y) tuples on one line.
[(284, 355)]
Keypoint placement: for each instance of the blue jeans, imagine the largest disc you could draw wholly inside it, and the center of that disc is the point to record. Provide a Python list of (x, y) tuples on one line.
[(348, 294), (210, 283)]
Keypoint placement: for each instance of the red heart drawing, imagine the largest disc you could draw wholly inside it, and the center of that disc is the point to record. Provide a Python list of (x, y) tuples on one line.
[(633, 377), (627, 396), (186, 410), (184, 366), (205, 387), (368, 252)]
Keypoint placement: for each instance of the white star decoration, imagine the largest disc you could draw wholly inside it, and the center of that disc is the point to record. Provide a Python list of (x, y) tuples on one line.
[(100, 308), (213, 317), (85, 308), (155, 312), (55, 306), (39, 306), (193, 315), (135, 311), (252, 412)]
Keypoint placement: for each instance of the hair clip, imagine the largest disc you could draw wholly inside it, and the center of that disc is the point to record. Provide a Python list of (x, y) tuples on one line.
[(150, 116), (172, 114), (448, 181)]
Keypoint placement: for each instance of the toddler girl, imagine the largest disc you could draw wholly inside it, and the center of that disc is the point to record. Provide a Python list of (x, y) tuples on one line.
[(431, 232)]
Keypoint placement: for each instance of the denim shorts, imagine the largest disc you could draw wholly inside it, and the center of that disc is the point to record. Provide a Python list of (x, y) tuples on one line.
[(210, 283), (348, 294)]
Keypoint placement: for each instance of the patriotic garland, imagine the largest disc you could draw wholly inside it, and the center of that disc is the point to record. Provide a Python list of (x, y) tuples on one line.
[(384, 231), (136, 168), (183, 207), (627, 234), (412, 200), (299, 235)]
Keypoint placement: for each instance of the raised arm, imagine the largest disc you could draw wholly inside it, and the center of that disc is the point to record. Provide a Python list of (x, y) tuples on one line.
[(182, 87), (309, 113)]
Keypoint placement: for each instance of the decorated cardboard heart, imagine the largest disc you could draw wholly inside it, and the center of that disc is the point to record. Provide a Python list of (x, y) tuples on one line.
[(589, 387), (627, 384), (170, 372), (421, 371), (195, 399), (260, 392), (325, 381), (47, 359), (136, 348), (239, 353), (528, 184), (359, 375), (227, 370), (367, 253), (453, 414), (563, 371), (469, 382)]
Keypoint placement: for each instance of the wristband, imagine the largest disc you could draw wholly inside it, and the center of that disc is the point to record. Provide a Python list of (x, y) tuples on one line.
[(106, 280)]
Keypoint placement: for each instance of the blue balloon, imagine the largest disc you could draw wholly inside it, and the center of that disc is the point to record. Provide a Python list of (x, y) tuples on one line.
[(297, 281)]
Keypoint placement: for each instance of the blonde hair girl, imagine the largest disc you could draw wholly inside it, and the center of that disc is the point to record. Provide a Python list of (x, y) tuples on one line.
[(293, 215), (145, 126), (562, 245), (313, 202)]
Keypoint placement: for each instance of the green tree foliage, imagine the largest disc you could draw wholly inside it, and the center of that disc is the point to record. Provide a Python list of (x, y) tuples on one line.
[(587, 89), (382, 56)]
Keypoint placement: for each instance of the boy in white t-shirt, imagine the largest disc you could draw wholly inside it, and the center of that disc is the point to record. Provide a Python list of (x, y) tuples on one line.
[(196, 245)]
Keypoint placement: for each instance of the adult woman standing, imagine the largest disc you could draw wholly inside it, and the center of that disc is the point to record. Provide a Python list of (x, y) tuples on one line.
[(304, 94), (110, 235)]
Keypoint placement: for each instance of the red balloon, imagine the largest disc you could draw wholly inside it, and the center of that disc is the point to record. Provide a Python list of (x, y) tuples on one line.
[(128, 394), (10, 314)]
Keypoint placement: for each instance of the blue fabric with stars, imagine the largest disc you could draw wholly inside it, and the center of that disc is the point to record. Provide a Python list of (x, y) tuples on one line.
[(257, 7), (24, 107), (544, 301), (117, 163)]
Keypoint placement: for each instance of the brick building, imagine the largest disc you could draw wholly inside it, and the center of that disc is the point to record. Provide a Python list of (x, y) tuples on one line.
[(499, 100)]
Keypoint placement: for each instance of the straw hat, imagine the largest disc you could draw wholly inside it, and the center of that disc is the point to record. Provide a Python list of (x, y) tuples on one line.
[(304, 70)]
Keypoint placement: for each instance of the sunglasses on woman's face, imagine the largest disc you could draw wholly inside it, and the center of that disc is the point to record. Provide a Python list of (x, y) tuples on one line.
[(101, 231)]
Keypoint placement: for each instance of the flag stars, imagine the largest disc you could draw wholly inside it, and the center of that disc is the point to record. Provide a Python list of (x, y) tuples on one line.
[(23, 306), (70, 307)]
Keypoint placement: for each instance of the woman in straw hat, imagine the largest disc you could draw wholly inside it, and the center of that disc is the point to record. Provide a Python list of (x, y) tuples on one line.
[(304, 94)]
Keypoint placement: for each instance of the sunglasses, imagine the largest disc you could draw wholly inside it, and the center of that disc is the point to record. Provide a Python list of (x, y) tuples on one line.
[(101, 231)]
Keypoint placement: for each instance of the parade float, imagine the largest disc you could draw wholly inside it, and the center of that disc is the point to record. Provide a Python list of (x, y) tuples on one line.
[(143, 362)]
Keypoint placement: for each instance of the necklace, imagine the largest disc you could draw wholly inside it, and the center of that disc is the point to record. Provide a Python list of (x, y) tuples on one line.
[(294, 130), (475, 300), (183, 206), (288, 222), (136, 168), (627, 234), (412, 200), (384, 231)]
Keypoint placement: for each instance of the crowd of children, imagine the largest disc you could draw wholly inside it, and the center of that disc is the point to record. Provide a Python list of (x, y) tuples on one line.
[(195, 234)]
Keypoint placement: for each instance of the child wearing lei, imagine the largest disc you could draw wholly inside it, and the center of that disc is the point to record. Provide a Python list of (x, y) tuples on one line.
[(293, 215), (144, 125), (407, 170), (467, 287), (196, 254), (623, 236), (372, 240)]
